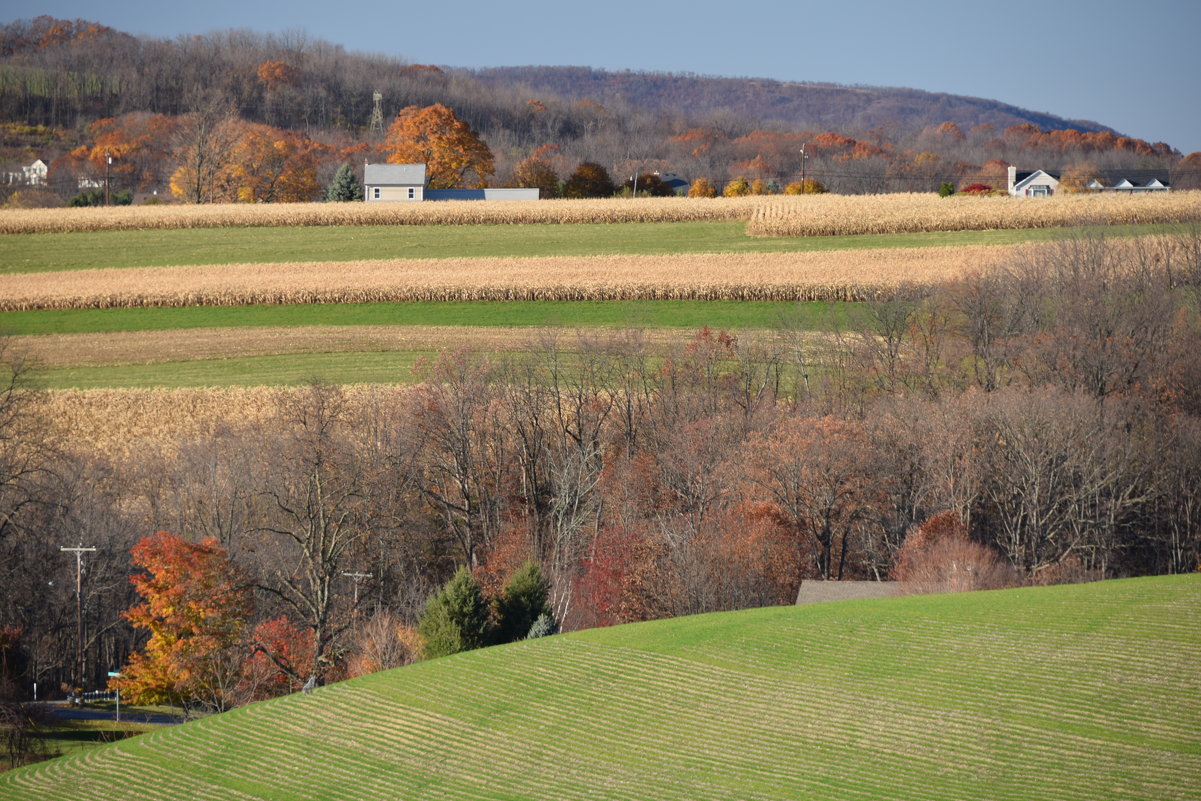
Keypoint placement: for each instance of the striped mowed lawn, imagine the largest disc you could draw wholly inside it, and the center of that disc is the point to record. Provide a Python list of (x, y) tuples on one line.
[(1075, 692)]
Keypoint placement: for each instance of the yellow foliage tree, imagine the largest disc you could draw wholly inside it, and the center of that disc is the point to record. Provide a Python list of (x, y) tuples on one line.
[(737, 188), (702, 188), (453, 154)]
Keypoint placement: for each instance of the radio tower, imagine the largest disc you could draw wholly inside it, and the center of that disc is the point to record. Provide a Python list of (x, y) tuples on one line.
[(377, 115)]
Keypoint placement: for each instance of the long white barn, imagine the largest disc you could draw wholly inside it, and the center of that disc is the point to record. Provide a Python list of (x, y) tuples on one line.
[(406, 183)]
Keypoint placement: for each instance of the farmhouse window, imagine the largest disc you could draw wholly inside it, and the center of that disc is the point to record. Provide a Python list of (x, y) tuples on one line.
[(375, 193), (412, 193)]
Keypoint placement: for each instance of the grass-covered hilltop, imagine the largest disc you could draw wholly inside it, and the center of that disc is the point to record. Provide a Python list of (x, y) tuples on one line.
[(1086, 691)]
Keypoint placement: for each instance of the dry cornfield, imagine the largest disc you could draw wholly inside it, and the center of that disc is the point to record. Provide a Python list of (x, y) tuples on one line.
[(840, 215), (851, 275), (123, 423), (809, 215), (463, 212)]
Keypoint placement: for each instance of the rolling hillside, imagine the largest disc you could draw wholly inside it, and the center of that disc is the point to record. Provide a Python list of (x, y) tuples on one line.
[(1086, 691)]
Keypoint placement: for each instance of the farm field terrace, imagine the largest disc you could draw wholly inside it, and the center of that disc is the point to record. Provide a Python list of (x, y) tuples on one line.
[(1087, 691), (440, 283)]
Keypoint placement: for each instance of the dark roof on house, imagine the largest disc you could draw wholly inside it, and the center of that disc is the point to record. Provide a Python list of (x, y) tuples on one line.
[(1023, 175), (1135, 177)]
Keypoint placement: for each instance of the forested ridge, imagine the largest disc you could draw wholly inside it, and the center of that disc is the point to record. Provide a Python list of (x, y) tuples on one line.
[(68, 85)]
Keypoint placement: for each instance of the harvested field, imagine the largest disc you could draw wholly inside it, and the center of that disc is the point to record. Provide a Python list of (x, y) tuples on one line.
[(835, 276), (835, 215), (474, 212), (1084, 692), (123, 423), (148, 347)]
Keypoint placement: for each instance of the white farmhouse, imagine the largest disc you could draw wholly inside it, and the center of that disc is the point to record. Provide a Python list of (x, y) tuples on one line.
[(394, 182), (29, 175), (406, 182), (1038, 183)]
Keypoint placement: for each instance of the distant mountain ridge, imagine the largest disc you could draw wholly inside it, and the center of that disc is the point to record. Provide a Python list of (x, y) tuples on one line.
[(796, 104)]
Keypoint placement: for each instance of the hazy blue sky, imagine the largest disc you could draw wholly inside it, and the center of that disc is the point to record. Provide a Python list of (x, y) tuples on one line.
[(1135, 66)]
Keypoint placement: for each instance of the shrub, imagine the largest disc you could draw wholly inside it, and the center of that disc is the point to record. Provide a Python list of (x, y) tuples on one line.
[(95, 197), (938, 556), (544, 626), (946, 189), (810, 186), (976, 189)]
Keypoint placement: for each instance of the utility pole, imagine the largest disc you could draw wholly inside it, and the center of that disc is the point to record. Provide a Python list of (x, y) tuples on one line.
[(803, 157), (358, 576), (78, 550), (108, 163)]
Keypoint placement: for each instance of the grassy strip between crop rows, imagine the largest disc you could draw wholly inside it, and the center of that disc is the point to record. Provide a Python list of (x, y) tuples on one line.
[(174, 247), (636, 314), (1076, 692)]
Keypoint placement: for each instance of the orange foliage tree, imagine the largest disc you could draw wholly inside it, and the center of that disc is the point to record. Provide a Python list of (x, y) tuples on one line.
[(270, 165), (453, 154), (276, 73), (138, 143), (194, 604)]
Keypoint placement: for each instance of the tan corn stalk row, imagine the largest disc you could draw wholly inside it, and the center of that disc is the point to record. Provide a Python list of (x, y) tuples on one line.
[(837, 275), (474, 212), (122, 422), (834, 215)]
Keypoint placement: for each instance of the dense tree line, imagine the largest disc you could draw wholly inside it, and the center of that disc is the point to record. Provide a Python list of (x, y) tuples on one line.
[(1040, 425)]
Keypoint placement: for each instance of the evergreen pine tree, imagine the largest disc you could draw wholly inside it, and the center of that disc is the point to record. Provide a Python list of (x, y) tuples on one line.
[(344, 187), (455, 619), (522, 602)]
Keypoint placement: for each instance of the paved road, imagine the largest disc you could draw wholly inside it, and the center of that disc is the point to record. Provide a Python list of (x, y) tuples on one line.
[(63, 711)]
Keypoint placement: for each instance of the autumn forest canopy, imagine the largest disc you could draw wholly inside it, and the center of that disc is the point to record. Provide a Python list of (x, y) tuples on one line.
[(243, 117)]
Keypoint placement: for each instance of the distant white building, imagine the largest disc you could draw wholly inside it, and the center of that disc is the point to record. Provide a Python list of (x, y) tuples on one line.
[(1041, 183), (406, 183), (29, 175), (1037, 183)]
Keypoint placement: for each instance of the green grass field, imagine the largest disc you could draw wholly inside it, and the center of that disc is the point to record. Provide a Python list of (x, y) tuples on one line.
[(1073, 692), (731, 315), (165, 248)]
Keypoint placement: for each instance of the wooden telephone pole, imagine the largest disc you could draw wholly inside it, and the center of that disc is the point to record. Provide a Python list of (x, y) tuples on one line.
[(78, 550)]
